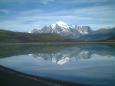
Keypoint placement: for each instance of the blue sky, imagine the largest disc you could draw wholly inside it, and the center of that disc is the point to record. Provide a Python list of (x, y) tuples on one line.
[(24, 15)]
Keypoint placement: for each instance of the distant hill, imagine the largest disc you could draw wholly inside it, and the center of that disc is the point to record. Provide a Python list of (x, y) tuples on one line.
[(100, 35), (13, 37)]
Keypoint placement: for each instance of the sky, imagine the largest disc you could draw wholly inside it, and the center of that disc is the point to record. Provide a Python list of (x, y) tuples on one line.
[(25, 15)]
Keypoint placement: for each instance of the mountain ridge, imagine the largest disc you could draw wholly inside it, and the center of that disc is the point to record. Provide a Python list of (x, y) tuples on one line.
[(77, 32)]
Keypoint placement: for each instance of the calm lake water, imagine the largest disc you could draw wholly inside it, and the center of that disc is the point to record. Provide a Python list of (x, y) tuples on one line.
[(92, 64)]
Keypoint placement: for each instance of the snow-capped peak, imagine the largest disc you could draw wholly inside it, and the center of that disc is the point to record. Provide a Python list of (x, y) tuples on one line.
[(65, 30), (62, 24), (53, 26), (59, 27)]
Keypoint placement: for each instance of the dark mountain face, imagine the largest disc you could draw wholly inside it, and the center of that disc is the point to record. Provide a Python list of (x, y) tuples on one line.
[(104, 34)]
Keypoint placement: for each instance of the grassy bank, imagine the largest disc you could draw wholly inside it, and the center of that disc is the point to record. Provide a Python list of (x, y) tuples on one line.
[(58, 43)]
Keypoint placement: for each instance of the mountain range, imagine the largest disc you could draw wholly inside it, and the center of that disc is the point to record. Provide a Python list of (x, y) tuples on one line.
[(59, 32), (77, 32)]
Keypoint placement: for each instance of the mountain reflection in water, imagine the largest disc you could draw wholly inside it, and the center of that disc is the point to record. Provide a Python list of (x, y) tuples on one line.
[(74, 53), (92, 64)]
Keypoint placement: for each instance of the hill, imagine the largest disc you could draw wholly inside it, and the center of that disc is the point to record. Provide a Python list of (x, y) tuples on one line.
[(17, 37)]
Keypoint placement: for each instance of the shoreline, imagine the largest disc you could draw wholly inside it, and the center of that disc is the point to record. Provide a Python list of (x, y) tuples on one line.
[(57, 43), (19, 77)]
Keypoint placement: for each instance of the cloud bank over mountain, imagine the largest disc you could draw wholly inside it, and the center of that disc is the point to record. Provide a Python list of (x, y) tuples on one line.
[(24, 15)]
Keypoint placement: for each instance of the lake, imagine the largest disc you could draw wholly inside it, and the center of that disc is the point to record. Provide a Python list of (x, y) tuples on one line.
[(90, 64)]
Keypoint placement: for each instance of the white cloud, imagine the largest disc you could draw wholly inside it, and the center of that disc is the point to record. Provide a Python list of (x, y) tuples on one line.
[(26, 1), (16, 26), (84, 1), (93, 11), (45, 2), (31, 12), (95, 16), (6, 11)]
